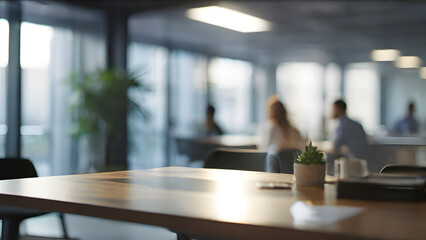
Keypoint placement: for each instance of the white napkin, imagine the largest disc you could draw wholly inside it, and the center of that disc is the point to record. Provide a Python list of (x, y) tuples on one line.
[(304, 214)]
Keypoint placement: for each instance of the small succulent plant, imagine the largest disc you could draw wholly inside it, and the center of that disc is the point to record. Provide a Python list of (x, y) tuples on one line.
[(310, 155)]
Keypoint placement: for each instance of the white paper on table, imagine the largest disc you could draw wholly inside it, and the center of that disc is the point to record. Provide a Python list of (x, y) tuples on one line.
[(304, 214)]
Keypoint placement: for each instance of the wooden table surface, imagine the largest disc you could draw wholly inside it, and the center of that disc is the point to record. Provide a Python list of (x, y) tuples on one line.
[(223, 204)]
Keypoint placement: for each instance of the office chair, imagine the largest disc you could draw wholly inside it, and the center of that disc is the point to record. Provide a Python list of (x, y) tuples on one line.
[(14, 168), (193, 148), (404, 169), (286, 160), (241, 159)]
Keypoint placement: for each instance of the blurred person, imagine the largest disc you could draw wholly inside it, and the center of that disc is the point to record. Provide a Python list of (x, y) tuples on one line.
[(278, 133), (210, 127), (349, 134), (407, 125)]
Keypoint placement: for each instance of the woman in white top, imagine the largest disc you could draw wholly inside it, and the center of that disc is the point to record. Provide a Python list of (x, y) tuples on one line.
[(279, 133)]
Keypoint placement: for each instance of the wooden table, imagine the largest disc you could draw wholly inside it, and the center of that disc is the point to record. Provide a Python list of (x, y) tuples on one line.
[(222, 204)]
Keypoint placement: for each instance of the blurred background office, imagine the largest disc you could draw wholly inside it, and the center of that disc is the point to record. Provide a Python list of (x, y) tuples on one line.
[(308, 54)]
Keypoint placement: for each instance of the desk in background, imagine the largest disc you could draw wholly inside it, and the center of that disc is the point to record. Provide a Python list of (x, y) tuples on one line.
[(222, 204), (198, 148), (401, 150), (386, 150)]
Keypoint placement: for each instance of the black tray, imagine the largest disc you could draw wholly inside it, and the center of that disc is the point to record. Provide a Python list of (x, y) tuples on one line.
[(390, 187)]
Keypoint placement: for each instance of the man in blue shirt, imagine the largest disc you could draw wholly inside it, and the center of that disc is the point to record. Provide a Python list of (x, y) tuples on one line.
[(349, 133), (407, 125)]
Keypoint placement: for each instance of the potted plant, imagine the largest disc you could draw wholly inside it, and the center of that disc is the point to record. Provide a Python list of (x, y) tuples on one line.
[(100, 106), (309, 167)]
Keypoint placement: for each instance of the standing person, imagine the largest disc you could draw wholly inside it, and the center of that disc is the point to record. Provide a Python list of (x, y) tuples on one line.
[(349, 133), (407, 125), (278, 133)]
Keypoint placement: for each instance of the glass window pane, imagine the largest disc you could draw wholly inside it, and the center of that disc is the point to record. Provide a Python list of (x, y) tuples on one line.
[(362, 94), (35, 61), (147, 138), (48, 57), (56, 41), (189, 83), (300, 87), (230, 84), (4, 57), (260, 90), (333, 92), (264, 85)]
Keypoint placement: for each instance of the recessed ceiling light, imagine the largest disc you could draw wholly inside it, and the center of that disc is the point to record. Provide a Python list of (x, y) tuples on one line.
[(228, 18), (408, 62), (384, 55), (423, 72)]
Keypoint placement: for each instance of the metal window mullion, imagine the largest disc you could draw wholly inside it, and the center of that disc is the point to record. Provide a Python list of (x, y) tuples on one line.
[(169, 101), (253, 95), (13, 84)]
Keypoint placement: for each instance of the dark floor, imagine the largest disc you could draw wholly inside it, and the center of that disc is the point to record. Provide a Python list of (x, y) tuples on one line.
[(88, 228)]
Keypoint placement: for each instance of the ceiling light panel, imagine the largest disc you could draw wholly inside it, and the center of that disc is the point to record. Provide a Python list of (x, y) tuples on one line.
[(408, 62), (229, 19), (384, 55)]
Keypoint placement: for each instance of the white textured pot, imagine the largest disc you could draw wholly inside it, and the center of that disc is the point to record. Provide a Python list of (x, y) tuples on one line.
[(309, 174)]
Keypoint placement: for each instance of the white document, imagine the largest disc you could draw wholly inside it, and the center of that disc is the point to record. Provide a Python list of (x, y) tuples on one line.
[(304, 214)]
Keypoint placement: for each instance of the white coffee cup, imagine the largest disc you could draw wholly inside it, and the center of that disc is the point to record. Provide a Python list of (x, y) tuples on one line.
[(350, 168)]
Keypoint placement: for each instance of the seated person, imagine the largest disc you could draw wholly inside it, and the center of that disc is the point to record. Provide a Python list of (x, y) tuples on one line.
[(278, 133), (407, 125), (349, 134), (210, 127)]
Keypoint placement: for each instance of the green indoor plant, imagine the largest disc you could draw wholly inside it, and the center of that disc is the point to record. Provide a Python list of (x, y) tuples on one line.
[(309, 167), (100, 107)]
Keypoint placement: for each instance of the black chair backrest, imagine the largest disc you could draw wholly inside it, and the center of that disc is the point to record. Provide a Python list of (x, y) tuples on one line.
[(404, 169), (286, 158), (238, 159), (12, 168), (193, 148)]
